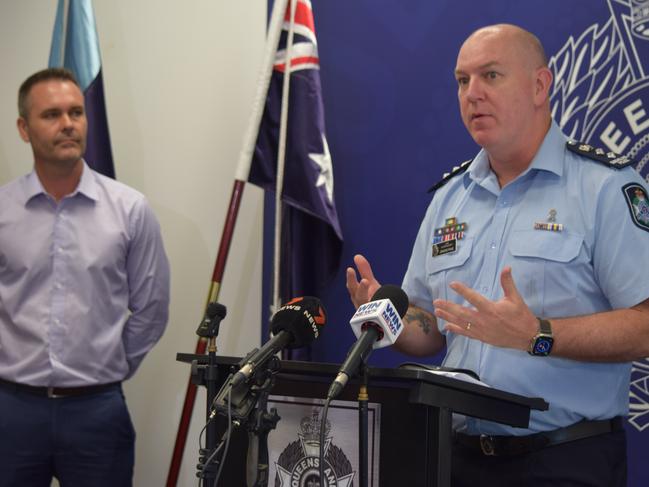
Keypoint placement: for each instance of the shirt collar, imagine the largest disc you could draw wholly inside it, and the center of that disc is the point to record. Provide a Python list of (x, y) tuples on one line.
[(549, 157), (552, 151), (87, 185)]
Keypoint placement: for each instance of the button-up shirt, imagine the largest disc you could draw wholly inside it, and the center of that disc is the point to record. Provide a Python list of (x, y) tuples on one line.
[(84, 283), (597, 262)]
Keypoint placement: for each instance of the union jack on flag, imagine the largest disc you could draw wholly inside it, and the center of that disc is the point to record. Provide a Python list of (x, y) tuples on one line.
[(304, 51)]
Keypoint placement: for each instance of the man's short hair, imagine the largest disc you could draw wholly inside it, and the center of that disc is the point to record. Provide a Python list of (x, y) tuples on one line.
[(47, 74)]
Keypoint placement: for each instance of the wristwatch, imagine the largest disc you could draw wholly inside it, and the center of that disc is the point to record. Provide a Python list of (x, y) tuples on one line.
[(541, 343)]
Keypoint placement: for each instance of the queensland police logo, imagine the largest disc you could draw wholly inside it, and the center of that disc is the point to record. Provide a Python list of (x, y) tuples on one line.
[(601, 96), (298, 465), (601, 83), (636, 198)]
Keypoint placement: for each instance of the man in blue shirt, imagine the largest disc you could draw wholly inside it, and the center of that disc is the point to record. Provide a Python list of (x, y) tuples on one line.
[(84, 295), (522, 269)]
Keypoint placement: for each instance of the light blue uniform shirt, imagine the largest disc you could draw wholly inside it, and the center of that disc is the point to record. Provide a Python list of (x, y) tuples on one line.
[(84, 284), (597, 263)]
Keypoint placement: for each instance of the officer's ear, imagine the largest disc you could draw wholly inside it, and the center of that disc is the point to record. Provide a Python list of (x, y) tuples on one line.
[(542, 84)]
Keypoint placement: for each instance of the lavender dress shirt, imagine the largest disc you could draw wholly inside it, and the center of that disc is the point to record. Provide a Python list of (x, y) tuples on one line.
[(84, 283)]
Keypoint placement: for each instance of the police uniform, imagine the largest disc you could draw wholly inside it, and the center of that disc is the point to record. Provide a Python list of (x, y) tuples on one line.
[(574, 240)]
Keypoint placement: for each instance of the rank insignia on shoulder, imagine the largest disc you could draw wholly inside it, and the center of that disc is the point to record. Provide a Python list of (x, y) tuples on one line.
[(449, 175), (608, 158)]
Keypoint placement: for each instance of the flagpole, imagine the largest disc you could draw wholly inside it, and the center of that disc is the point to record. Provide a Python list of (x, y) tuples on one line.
[(241, 175), (281, 159)]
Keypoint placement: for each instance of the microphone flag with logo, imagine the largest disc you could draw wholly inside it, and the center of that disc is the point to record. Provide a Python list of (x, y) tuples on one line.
[(296, 324), (376, 324)]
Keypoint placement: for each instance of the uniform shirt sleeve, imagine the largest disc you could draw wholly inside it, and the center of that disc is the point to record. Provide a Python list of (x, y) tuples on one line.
[(415, 281), (621, 251), (148, 281)]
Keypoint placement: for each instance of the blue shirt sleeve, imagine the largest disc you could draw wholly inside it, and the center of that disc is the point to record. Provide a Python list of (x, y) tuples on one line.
[(621, 249)]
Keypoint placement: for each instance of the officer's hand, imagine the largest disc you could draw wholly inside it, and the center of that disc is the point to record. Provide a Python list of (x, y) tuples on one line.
[(361, 291), (507, 322)]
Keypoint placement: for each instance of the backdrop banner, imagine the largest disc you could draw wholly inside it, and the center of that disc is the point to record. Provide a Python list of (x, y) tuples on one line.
[(393, 125)]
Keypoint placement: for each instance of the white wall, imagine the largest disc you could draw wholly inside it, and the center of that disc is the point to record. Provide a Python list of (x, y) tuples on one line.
[(179, 78)]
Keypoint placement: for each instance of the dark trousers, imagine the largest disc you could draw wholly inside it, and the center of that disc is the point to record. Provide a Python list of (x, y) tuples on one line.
[(83, 441), (598, 461)]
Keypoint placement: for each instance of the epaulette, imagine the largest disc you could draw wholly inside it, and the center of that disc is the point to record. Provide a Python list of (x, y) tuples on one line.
[(608, 158), (450, 175)]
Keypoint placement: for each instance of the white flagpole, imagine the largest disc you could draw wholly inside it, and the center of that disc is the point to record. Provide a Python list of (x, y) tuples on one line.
[(259, 102), (281, 159)]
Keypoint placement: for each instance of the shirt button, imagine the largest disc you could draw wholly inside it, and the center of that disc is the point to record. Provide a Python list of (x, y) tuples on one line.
[(493, 245), (485, 289)]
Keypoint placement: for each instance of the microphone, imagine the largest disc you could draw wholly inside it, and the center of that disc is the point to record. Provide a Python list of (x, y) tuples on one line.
[(214, 313), (376, 324), (296, 324)]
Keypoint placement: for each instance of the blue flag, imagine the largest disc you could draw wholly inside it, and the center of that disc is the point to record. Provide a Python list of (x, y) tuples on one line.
[(75, 46), (311, 234)]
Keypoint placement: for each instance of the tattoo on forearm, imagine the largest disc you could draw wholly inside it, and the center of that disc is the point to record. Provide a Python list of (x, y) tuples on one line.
[(420, 318)]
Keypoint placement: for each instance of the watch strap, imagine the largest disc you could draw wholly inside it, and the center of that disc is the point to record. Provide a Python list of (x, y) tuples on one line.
[(544, 326)]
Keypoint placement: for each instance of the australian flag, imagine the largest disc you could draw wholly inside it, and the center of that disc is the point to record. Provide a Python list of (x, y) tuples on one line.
[(75, 46), (311, 234)]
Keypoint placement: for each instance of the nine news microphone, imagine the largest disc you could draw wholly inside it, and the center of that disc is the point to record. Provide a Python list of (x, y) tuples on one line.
[(296, 324), (376, 324)]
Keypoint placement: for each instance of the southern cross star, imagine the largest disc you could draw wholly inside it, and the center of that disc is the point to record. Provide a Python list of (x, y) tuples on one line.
[(326, 176)]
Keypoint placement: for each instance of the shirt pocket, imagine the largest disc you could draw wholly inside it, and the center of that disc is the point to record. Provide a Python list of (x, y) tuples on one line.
[(546, 267), (551, 246), (443, 269)]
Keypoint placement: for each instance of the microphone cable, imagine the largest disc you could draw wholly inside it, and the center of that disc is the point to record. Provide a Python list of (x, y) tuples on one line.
[(323, 428)]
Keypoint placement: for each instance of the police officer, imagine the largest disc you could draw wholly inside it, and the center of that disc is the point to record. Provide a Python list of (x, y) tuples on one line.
[(522, 269)]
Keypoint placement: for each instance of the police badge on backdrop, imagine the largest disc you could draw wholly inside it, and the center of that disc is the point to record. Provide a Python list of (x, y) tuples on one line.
[(601, 96), (601, 83), (294, 447)]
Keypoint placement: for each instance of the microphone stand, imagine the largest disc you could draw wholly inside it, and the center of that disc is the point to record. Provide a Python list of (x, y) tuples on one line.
[(249, 406), (363, 450), (262, 423), (207, 375)]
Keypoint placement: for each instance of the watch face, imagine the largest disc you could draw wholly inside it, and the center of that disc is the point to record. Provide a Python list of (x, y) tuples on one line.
[(542, 345)]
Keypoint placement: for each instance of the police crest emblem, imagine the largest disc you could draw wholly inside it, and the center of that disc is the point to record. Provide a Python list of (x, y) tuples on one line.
[(298, 464), (601, 83), (636, 198)]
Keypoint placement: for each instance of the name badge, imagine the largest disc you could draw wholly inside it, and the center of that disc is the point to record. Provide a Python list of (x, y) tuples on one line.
[(446, 247)]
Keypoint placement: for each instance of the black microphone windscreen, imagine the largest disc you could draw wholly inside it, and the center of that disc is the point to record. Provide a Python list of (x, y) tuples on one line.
[(395, 294), (304, 318), (215, 309)]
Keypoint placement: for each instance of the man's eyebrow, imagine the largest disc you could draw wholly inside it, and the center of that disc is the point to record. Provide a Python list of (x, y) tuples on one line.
[(482, 67)]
